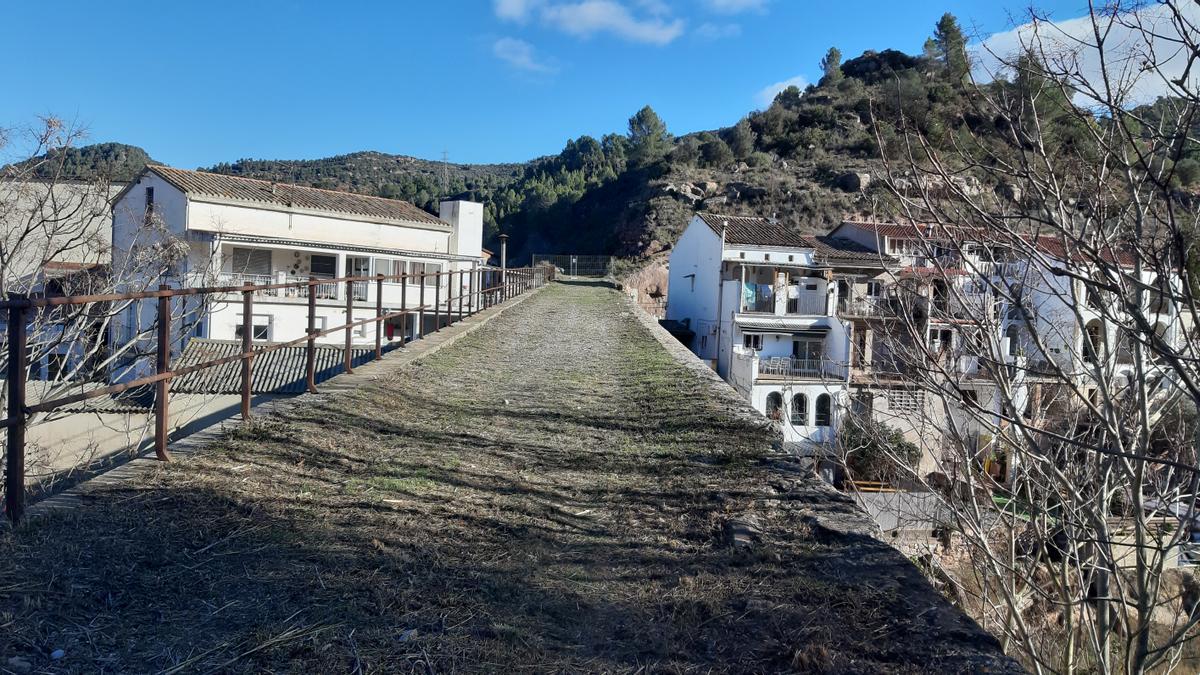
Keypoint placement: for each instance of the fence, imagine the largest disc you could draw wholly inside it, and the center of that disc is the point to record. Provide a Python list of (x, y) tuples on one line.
[(576, 265), (484, 288)]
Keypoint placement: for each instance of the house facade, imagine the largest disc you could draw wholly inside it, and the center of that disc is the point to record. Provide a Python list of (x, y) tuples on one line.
[(230, 231), (760, 303)]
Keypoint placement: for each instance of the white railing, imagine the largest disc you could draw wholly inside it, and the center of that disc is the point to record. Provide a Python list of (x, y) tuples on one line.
[(807, 304), (784, 366), (325, 290)]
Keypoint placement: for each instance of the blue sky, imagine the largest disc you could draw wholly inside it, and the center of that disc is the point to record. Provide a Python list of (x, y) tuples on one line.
[(506, 80)]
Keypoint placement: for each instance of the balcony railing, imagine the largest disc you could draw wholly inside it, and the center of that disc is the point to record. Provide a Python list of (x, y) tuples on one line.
[(325, 291), (807, 304), (789, 367), (867, 306)]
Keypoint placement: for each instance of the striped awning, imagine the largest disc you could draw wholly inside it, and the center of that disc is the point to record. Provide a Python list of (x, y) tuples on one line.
[(781, 324)]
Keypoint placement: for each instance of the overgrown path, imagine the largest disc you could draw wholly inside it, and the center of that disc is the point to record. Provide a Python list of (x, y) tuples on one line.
[(549, 494)]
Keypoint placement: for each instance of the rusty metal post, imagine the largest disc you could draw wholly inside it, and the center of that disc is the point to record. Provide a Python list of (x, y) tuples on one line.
[(379, 318), (437, 302), (310, 347), (247, 338), (462, 278), (347, 355), (421, 306), (14, 485), (162, 388), (472, 305), (404, 307)]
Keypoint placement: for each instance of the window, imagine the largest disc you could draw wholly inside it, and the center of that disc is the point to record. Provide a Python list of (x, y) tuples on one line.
[(323, 266), (1010, 334), (874, 289), (791, 258), (823, 415), (384, 266), (752, 341), (742, 255), (800, 410), (703, 342), (261, 327), (56, 365), (429, 269), (149, 203), (940, 340), (906, 401), (775, 406), (1093, 342), (255, 261), (766, 256), (970, 398)]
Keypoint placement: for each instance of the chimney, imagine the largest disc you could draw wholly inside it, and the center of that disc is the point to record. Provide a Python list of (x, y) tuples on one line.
[(466, 239)]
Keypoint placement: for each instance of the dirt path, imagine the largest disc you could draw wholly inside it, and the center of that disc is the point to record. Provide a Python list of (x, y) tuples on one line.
[(548, 494)]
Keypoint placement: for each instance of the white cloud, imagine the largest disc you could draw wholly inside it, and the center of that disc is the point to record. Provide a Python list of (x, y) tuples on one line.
[(767, 94), (589, 17), (515, 10), (735, 6), (520, 55), (1065, 43), (718, 31), (584, 18)]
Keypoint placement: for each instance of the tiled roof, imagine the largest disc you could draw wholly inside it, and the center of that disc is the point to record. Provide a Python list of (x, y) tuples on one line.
[(907, 230), (296, 196), (842, 250), (1054, 247), (277, 372), (752, 231)]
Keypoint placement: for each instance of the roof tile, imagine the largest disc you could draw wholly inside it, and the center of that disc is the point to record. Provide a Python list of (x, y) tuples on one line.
[(267, 192)]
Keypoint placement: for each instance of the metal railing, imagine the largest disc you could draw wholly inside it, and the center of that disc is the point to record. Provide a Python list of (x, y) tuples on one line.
[(479, 288), (783, 366)]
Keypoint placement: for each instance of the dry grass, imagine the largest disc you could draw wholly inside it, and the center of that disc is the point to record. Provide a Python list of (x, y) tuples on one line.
[(547, 495)]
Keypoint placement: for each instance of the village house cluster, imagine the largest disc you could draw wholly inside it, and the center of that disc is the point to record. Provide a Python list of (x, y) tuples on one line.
[(192, 229), (940, 333)]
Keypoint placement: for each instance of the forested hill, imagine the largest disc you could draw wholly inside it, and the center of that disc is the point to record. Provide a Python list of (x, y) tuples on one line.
[(810, 159), (111, 161)]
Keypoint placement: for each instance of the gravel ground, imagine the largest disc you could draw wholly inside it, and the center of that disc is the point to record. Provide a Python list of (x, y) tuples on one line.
[(553, 493)]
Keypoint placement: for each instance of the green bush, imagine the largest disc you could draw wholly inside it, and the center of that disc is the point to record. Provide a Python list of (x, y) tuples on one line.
[(873, 451)]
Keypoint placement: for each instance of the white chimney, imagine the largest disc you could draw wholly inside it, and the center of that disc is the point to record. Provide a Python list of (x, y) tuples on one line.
[(467, 218)]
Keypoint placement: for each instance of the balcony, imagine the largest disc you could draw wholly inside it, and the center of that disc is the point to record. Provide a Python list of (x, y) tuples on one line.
[(361, 291), (762, 299), (867, 307), (789, 368)]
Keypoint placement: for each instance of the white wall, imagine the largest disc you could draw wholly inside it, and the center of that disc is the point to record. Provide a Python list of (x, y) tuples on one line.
[(467, 220), (261, 221), (693, 284)]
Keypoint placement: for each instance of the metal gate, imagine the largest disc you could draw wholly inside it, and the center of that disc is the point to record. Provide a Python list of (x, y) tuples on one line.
[(577, 265)]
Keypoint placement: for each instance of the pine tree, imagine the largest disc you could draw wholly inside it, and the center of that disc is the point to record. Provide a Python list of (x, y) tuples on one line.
[(649, 139), (741, 139), (952, 48), (831, 66)]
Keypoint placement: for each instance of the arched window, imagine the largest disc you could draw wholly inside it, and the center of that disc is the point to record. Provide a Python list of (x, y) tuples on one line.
[(823, 414), (775, 406), (1093, 342), (1013, 344), (800, 410)]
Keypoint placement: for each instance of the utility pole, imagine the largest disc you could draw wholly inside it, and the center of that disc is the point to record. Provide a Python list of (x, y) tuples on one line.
[(445, 173)]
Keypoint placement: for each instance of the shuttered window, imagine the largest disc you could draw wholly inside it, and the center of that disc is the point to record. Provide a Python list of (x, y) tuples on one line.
[(251, 261)]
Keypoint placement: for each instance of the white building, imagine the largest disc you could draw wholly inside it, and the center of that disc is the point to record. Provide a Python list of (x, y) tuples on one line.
[(238, 230), (761, 302)]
